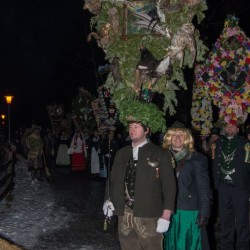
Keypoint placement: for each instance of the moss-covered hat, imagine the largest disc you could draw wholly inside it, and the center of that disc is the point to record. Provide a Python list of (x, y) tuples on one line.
[(145, 113)]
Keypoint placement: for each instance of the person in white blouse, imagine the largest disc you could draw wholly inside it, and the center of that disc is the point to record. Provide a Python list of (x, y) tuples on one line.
[(79, 152)]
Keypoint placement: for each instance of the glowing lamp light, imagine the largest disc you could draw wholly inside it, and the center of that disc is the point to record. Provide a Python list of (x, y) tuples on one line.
[(8, 99), (3, 117)]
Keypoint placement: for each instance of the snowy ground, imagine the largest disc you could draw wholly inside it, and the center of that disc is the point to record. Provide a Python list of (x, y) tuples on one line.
[(47, 216)]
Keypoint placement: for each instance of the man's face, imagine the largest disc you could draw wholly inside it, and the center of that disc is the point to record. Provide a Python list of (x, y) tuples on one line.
[(137, 133), (231, 130)]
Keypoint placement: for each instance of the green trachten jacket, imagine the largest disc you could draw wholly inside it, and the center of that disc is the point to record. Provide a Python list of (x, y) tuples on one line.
[(153, 193)]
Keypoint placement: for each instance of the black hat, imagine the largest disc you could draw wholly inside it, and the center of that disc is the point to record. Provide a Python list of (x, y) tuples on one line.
[(35, 128), (177, 124), (215, 131)]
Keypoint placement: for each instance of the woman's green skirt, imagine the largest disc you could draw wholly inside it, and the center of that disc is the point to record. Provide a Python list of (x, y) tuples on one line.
[(183, 233)]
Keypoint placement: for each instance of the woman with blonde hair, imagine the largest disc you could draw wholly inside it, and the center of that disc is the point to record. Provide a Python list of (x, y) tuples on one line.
[(188, 224), (188, 139)]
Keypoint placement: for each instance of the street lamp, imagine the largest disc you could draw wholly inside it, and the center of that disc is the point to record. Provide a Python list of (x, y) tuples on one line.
[(8, 100)]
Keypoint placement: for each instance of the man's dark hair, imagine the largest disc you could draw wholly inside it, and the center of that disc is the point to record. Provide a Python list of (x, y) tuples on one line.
[(145, 127)]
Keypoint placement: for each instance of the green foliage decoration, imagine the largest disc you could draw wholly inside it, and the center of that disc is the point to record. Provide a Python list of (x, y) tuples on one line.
[(138, 111), (127, 50)]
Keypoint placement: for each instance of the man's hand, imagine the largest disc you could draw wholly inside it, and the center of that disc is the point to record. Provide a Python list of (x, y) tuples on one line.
[(162, 225), (108, 208)]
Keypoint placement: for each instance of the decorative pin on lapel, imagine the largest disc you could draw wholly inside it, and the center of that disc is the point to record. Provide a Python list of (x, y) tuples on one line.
[(154, 162), (247, 155), (157, 173)]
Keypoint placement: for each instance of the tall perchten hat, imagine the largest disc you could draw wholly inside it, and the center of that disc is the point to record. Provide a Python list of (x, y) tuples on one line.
[(146, 65)]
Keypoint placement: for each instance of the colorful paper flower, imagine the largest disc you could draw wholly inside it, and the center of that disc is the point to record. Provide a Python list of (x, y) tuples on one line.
[(232, 52)]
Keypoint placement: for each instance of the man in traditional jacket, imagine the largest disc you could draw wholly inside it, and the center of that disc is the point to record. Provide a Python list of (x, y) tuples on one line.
[(142, 191), (231, 171), (35, 155)]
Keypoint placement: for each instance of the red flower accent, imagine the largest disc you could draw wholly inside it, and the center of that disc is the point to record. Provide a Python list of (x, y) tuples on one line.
[(217, 58), (213, 89), (211, 67), (240, 38), (247, 60), (244, 106)]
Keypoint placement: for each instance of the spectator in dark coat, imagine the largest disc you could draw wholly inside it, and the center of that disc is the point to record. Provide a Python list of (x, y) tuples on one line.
[(231, 171)]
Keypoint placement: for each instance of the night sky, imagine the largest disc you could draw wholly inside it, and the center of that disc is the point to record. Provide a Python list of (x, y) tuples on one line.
[(44, 56)]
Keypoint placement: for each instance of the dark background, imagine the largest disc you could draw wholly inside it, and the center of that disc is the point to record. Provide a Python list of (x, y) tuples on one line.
[(44, 56)]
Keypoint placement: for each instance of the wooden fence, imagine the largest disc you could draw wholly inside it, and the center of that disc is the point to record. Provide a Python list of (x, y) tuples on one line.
[(7, 174)]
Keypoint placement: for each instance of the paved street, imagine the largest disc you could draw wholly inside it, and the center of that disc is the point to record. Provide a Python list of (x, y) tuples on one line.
[(83, 198), (65, 214)]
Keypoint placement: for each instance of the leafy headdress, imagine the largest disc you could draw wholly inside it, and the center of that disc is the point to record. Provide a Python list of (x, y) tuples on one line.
[(170, 43), (148, 114)]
